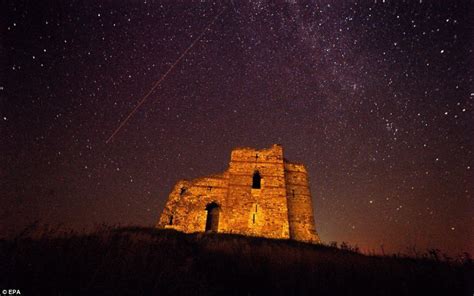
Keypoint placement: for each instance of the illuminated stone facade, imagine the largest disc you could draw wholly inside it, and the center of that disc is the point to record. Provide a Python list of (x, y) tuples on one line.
[(260, 194)]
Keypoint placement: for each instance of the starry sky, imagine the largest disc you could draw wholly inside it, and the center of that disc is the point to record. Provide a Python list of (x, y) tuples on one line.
[(374, 97)]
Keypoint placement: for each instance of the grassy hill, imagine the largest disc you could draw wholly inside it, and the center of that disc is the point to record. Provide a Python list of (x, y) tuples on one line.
[(145, 261)]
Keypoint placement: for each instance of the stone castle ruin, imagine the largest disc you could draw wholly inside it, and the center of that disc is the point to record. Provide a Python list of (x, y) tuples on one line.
[(260, 194)]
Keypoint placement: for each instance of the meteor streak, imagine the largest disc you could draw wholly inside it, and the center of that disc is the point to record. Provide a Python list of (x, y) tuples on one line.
[(158, 82)]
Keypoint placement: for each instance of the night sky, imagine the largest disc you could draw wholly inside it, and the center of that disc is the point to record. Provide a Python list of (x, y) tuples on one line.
[(375, 98)]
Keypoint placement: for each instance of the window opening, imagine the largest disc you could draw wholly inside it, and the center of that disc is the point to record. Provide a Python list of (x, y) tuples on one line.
[(257, 180)]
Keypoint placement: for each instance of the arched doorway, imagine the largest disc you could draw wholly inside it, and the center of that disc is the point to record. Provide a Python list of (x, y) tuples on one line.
[(212, 221), (256, 180)]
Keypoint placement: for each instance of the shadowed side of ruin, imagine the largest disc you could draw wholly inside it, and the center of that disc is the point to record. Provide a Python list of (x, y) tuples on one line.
[(260, 194)]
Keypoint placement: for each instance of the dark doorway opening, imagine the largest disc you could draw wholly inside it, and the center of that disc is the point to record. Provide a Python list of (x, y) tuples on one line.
[(257, 179), (212, 221)]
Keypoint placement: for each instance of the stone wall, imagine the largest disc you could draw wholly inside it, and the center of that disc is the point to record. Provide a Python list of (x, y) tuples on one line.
[(185, 209), (300, 206), (261, 211), (280, 208)]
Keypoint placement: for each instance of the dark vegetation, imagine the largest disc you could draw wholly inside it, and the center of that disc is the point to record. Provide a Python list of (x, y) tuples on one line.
[(144, 261)]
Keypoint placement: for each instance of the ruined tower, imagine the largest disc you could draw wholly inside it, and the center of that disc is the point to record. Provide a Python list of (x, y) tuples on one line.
[(260, 194)]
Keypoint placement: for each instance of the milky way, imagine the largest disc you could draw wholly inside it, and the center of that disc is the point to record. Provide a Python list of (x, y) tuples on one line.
[(375, 98)]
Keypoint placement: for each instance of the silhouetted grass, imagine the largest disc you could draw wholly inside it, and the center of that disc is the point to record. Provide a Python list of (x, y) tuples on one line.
[(146, 261)]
